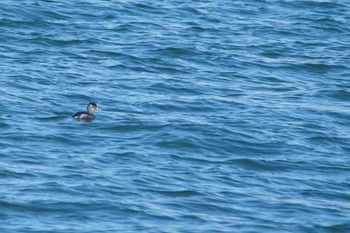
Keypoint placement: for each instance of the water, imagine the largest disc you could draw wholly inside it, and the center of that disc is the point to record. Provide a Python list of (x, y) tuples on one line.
[(217, 116)]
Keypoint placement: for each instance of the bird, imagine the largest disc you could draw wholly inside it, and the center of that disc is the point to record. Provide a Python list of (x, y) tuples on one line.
[(86, 116)]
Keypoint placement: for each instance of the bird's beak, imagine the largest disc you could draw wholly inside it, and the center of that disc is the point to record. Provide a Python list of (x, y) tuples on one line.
[(98, 108)]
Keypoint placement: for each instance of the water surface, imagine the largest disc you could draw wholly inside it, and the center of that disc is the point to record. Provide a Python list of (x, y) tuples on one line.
[(218, 116)]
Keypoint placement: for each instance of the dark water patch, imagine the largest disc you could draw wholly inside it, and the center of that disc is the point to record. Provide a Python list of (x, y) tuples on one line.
[(333, 228), (13, 174), (185, 143), (132, 126), (318, 5), (330, 25), (170, 107), (52, 118), (176, 52), (4, 126), (173, 193), (176, 89), (112, 54), (337, 94), (261, 165)]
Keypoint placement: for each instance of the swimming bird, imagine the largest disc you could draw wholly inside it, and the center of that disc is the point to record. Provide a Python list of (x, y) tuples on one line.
[(86, 116)]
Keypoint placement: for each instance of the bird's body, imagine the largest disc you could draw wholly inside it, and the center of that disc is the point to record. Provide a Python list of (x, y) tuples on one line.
[(88, 115), (83, 116)]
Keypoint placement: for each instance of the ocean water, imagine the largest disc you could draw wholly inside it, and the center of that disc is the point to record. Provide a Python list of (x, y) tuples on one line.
[(217, 116)]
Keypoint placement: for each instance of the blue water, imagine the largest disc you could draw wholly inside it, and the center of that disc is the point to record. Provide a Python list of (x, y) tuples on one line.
[(217, 116)]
